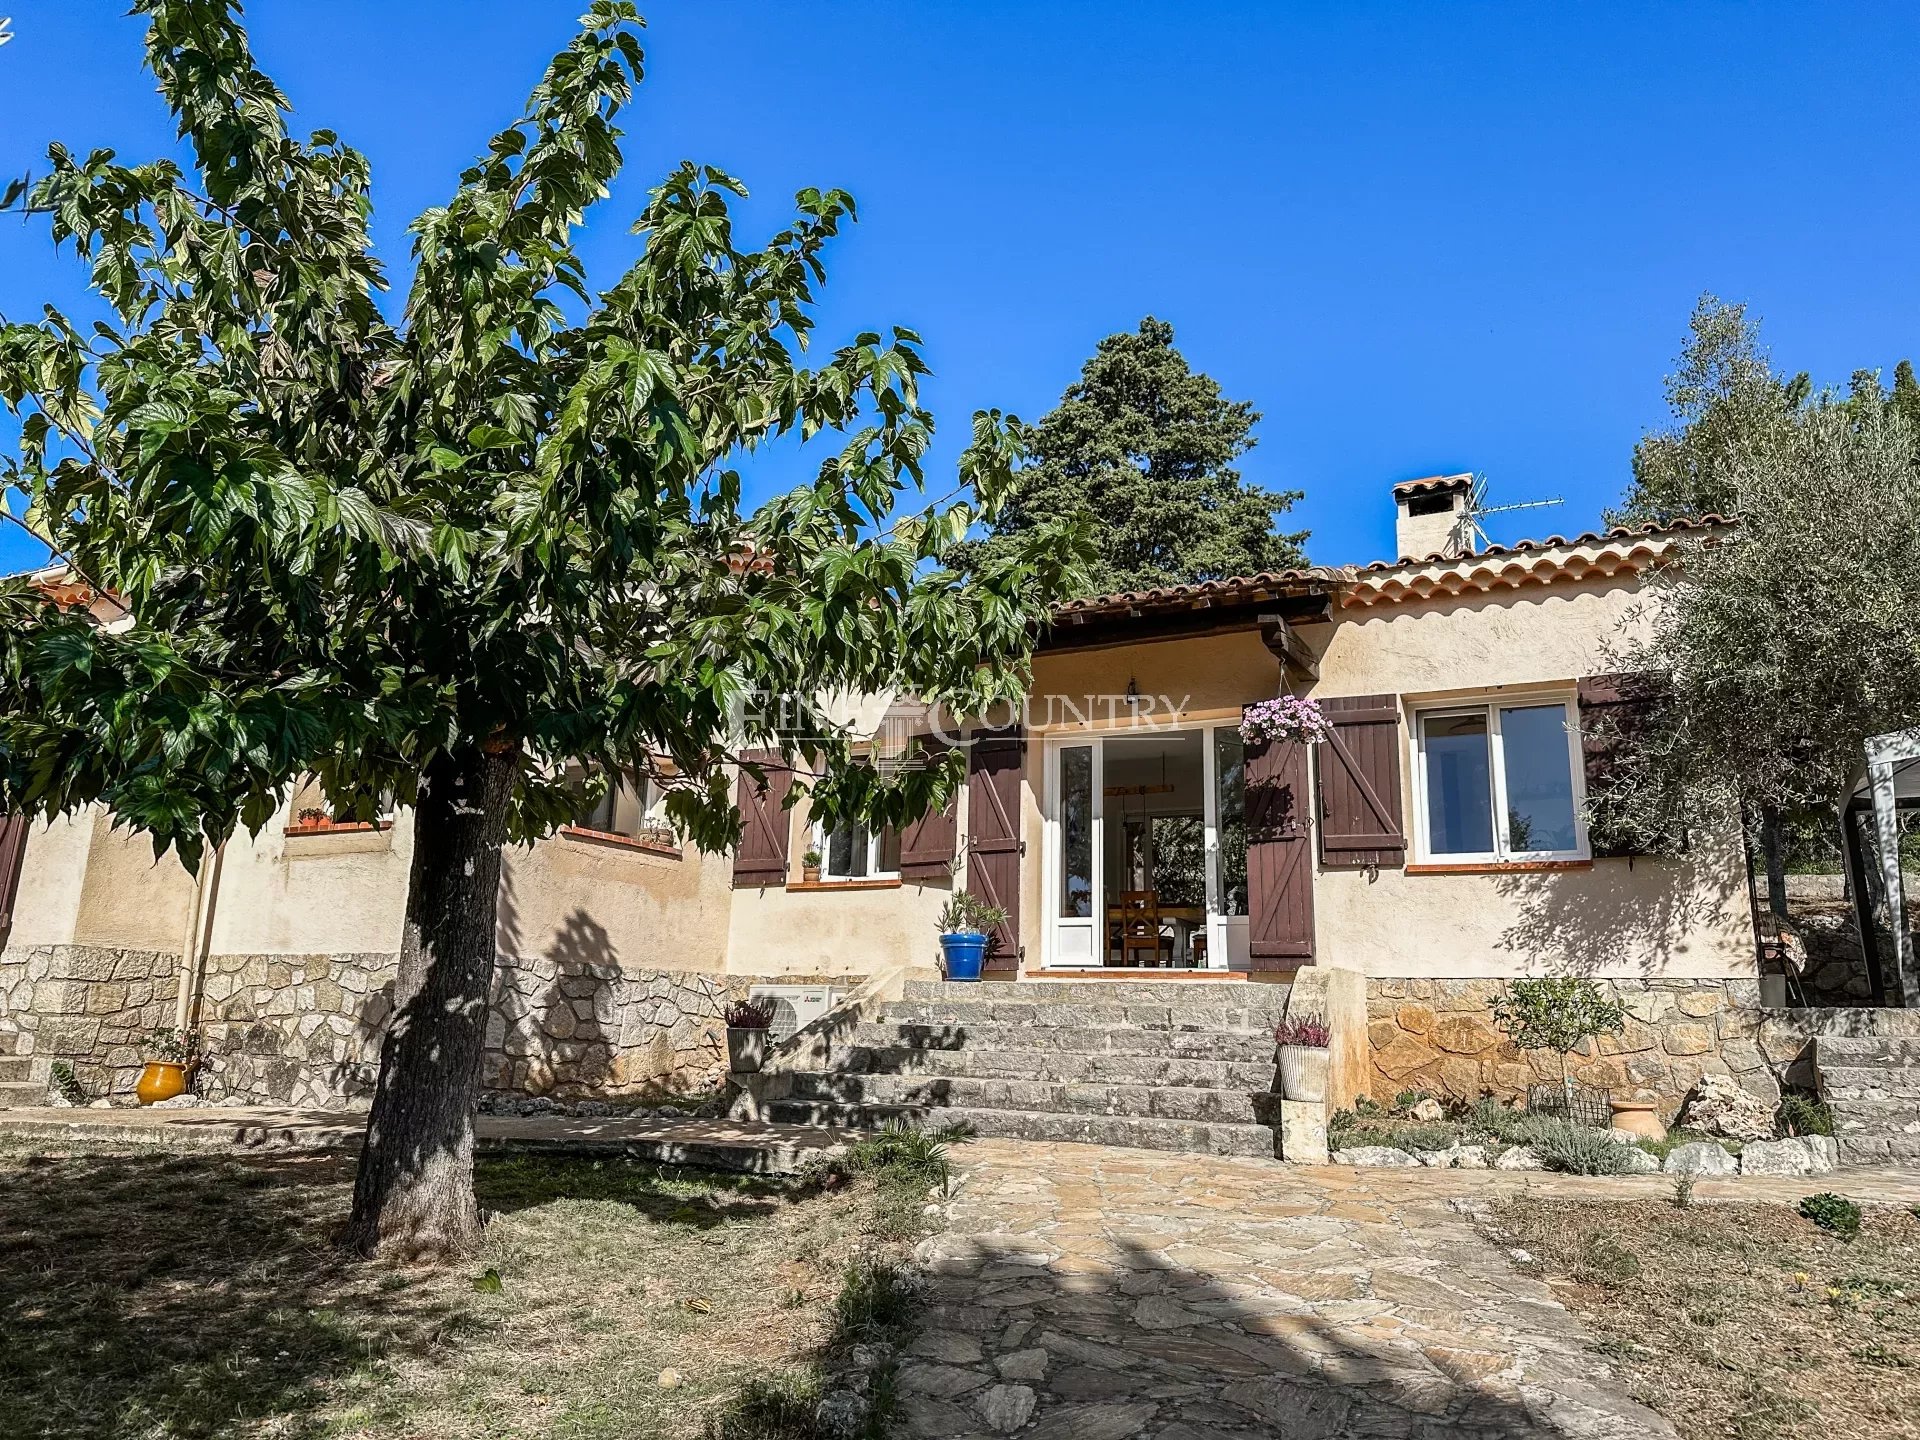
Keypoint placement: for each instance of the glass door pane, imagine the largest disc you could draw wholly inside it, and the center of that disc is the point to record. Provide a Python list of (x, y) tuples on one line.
[(1230, 804), (1076, 832)]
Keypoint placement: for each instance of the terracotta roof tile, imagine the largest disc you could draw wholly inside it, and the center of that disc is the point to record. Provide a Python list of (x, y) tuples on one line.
[(1432, 484), (1313, 578)]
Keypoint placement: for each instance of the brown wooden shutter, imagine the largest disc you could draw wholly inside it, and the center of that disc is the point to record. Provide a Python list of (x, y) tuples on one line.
[(13, 851), (995, 766), (765, 823), (1279, 862), (926, 846), (1614, 710), (1360, 822)]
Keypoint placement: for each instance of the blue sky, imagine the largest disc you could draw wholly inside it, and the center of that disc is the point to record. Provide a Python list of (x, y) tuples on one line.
[(1419, 237)]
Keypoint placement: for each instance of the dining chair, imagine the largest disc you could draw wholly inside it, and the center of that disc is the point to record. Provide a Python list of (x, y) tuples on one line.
[(1140, 927)]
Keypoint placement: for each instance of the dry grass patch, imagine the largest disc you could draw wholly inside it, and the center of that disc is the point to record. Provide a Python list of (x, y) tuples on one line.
[(147, 1295), (1743, 1321)]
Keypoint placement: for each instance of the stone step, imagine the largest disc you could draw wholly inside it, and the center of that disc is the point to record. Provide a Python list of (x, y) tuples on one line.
[(1068, 1065), (1841, 1084), (1876, 1117), (1876, 1149), (1135, 1131), (1228, 1017), (965, 1092), (16, 1069), (1104, 992), (1856, 1051), (1234, 1046), (17, 1096)]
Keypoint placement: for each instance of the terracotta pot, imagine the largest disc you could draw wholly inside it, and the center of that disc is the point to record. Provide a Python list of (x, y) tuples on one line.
[(161, 1080), (1639, 1117), (1303, 1072), (746, 1050)]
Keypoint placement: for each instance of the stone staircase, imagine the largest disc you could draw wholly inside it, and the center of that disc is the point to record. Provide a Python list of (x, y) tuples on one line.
[(17, 1085), (1872, 1085), (1158, 1065)]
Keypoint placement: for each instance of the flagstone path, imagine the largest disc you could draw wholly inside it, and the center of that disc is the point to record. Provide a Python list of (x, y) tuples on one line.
[(1084, 1293)]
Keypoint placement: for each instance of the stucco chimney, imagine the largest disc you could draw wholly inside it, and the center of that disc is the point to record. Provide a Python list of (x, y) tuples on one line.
[(1430, 517)]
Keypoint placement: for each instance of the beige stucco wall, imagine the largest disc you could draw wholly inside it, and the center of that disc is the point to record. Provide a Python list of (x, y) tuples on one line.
[(339, 893), (52, 875), (129, 900), (832, 930), (569, 898)]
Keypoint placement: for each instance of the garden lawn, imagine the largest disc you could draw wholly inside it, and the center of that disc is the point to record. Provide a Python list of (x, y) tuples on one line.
[(1739, 1320), (154, 1294)]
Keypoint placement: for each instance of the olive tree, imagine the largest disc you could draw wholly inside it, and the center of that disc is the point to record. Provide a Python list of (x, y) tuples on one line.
[(454, 554)]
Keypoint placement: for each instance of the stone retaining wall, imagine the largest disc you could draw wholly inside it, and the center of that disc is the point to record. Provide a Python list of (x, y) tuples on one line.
[(88, 1006), (1439, 1036), (305, 1030)]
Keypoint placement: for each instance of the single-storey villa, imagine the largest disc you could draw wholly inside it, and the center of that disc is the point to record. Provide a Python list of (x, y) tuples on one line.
[(1434, 844)]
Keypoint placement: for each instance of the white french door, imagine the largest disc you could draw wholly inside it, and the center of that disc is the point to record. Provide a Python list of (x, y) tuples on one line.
[(1074, 852)]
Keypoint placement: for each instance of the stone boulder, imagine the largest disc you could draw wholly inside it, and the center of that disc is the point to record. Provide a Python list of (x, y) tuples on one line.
[(1701, 1157), (1800, 1155), (1454, 1157), (1520, 1157), (1635, 1161), (1720, 1105), (1374, 1155)]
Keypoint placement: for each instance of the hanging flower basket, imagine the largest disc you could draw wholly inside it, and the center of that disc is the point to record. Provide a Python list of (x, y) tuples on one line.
[(1286, 717)]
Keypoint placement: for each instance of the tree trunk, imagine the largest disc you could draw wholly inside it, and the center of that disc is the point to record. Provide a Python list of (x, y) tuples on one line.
[(413, 1197), (1773, 845)]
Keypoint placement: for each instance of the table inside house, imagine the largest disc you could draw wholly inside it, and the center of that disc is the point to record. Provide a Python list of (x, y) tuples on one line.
[(1186, 920)]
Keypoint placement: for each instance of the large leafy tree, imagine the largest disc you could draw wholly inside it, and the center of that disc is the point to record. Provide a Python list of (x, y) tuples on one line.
[(1730, 407), (1788, 640), (1144, 447), (452, 555)]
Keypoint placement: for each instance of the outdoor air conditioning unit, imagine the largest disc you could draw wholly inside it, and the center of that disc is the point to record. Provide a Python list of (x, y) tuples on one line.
[(795, 1006)]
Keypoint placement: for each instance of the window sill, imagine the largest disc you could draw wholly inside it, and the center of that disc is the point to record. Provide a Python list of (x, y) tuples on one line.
[(811, 885), (1499, 867), (350, 827), (621, 842)]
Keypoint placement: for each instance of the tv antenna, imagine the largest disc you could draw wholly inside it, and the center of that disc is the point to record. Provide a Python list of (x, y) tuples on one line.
[(1477, 508)]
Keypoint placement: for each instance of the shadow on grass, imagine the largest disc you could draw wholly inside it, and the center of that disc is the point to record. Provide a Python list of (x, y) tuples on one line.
[(189, 1296), (700, 1198)]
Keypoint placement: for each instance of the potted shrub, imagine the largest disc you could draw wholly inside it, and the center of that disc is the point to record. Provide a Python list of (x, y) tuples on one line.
[(748, 1022), (1304, 1054), (167, 1054), (810, 865), (966, 921)]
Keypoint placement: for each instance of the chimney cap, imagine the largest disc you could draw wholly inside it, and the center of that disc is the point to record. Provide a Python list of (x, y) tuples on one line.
[(1432, 485)]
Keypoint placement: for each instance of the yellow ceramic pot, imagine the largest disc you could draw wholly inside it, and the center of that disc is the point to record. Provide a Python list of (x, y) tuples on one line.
[(161, 1080)]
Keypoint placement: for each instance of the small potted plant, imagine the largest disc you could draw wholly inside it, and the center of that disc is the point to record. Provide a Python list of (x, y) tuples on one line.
[(966, 922), (314, 818), (167, 1054), (1304, 1041), (748, 1022), (810, 865)]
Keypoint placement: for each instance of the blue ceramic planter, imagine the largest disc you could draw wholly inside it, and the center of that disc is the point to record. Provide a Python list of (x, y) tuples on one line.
[(964, 952)]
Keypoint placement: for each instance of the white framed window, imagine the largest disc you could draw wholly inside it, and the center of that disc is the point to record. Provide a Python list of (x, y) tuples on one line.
[(1499, 781), (852, 852)]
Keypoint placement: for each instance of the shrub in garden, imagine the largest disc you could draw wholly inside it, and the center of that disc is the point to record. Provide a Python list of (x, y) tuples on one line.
[(1559, 1014), (1577, 1149), (1804, 1114), (1835, 1214)]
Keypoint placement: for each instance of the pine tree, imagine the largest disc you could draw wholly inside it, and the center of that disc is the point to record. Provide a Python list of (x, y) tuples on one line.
[(1144, 448)]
